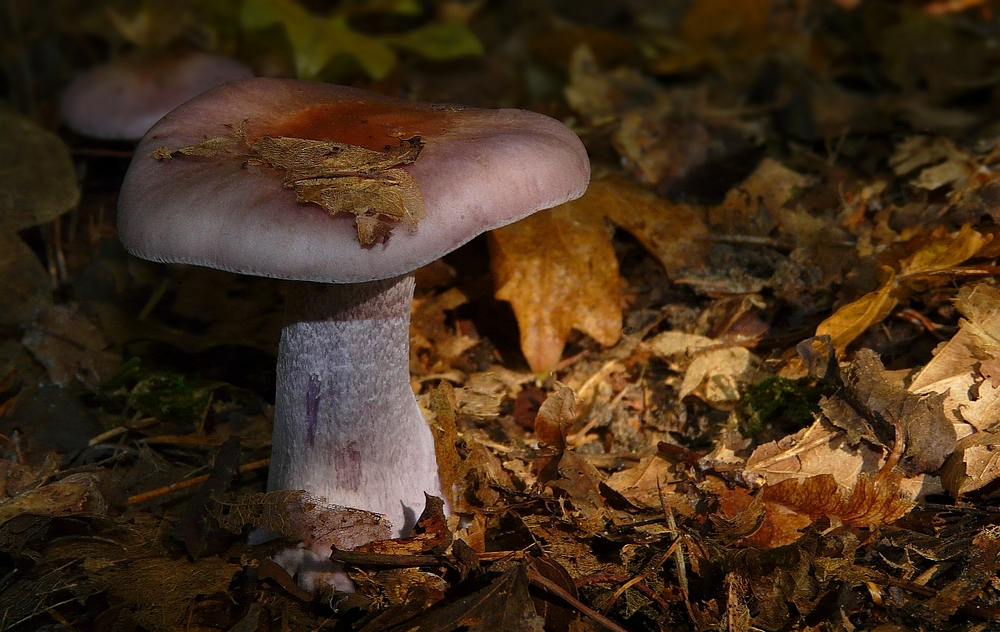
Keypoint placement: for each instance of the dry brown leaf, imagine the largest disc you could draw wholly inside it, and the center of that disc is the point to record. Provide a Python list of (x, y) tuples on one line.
[(853, 319), (713, 371), (873, 407), (777, 514), (974, 464), (759, 198), (967, 367), (75, 494), (557, 269), (71, 347), (164, 595), (643, 484), (670, 232), (340, 178), (941, 253)]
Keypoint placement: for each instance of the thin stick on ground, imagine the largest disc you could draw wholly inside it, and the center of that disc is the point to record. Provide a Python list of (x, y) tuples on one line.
[(191, 482)]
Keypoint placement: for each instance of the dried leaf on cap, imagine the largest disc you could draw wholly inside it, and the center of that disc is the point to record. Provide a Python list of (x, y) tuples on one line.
[(338, 177)]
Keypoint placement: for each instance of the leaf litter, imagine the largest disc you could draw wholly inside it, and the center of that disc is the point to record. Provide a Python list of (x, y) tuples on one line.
[(749, 381)]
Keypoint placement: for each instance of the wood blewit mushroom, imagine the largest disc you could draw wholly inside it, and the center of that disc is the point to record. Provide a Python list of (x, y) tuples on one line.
[(262, 177)]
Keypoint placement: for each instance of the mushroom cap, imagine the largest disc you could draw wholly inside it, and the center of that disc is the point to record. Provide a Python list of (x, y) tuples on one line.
[(478, 170), (122, 99)]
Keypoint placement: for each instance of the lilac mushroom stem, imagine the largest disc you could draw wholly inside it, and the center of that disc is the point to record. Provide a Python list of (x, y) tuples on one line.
[(346, 422)]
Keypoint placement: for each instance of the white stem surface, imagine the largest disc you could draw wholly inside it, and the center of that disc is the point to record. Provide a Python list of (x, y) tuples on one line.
[(346, 424)]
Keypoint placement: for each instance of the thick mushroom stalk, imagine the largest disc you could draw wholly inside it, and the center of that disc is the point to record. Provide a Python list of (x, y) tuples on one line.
[(346, 424)]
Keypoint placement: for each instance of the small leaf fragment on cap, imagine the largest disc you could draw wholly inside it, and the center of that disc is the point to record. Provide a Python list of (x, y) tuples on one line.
[(339, 177)]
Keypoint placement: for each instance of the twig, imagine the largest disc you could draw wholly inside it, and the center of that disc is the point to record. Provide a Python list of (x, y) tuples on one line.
[(546, 584), (191, 482)]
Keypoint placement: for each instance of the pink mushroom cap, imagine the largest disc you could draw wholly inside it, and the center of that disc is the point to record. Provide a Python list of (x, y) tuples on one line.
[(122, 99), (478, 170)]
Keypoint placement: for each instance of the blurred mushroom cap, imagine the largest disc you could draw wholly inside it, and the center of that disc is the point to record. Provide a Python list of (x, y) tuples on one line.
[(122, 99)]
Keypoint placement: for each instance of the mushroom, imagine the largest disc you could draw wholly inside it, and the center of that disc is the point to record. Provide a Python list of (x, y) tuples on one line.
[(349, 192), (121, 100)]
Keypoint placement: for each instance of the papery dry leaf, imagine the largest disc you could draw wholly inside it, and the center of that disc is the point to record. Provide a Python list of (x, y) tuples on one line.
[(818, 449), (758, 199), (75, 494), (871, 404), (300, 515), (503, 605), (555, 418), (941, 253), (37, 176), (966, 367), (434, 345), (974, 464), (557, 269), (671, 232), (713, 371), (853, 319), (643, 483), (71, 346), (944, 251), (338, 177)]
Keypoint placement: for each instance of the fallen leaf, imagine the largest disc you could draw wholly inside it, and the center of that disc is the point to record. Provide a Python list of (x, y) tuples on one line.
[(302, 516), (73, 495), (974, 464), (871, 405), (37, 177), (942, 252), (503, 605), (71, 347), (965, 368), (557, 269)]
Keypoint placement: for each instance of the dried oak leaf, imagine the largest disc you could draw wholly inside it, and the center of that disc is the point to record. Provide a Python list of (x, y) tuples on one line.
[(777, 514), (558, 269), (503, 605), (967, 368), (338, 177), (300, 515), (941, 253), (871, 403)]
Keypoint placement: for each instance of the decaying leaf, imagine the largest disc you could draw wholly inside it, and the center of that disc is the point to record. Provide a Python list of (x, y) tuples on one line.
[(75, 494), (872, 405), (713, 371), (973, 465), (37, 178), (942, 252), (558, 269), (966, 368), (338, 177), (503, 605), (300, 515)]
